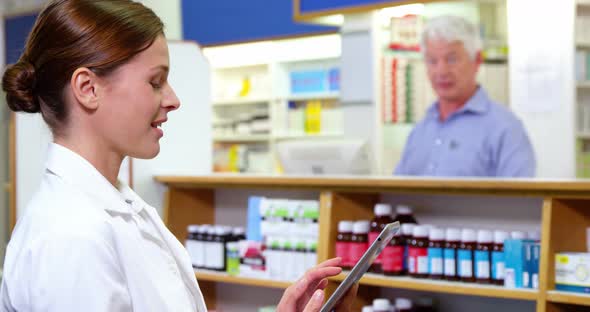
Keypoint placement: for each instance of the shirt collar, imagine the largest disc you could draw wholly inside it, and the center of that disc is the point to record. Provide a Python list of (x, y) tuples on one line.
[(81, 174), (478, 104)]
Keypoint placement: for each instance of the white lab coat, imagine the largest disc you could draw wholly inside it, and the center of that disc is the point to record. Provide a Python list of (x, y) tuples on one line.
[(83, 245)]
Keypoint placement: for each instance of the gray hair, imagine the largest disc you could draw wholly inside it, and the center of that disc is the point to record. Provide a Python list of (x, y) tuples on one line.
[(453, 29)]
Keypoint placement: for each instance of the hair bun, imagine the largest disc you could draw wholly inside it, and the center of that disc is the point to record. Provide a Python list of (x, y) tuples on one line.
[(19, 83)]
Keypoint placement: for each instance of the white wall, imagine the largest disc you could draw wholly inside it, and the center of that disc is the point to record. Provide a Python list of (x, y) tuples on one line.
[(170, 13), (542, 80), (359, 80)]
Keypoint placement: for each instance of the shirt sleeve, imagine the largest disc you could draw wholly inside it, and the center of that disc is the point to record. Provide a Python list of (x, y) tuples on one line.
[(516, 157), (76, 272)]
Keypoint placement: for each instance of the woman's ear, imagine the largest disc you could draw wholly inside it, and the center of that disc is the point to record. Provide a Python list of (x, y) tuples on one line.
[(84, 85)]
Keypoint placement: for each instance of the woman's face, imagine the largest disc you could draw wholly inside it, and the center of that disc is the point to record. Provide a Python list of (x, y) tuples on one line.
[(135, 101)]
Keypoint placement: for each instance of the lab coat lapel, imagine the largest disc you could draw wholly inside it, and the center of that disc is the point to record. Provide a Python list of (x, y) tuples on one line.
[(179, 255)]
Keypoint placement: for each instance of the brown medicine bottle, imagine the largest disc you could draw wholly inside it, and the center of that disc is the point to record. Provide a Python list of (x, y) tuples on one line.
[(482, 256), (465, 255), (381, 219), (343, 243)]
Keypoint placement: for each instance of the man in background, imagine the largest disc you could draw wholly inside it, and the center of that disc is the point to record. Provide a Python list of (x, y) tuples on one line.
[(464, 133)]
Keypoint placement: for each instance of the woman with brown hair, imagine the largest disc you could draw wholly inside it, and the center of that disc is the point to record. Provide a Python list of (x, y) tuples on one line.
[(97, 72)]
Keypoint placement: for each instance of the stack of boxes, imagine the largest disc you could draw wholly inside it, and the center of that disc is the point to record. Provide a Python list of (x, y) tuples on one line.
[(522, 263)]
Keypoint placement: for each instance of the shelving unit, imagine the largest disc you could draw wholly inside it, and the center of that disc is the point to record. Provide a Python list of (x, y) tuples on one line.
[(427, 285), (242, 138), (568, 298), (255, 78), (241, 101), (219, 277), (561, 207)]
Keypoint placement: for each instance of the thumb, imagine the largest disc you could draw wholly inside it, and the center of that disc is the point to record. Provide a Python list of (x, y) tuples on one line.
[(316, 301)]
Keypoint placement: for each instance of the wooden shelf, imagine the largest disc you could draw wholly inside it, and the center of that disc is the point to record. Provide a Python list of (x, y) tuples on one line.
[(445, 287), (568, 297), (240, 102), (583, 84), (307, 136), (211, 276), (583, 135), (242, 138), (565, 188), (314, 96)]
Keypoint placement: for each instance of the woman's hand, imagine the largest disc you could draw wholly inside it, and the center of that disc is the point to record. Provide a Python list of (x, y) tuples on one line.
[(307, 294)]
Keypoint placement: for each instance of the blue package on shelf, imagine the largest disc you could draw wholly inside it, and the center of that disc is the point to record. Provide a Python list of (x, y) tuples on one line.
[(535, 265), (253, 232), (571, 288), (334, 77), (518, 258), (572, 272), (309, 81)]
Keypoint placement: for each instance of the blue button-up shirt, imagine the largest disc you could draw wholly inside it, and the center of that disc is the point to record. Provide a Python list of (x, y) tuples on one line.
[(482, 139)]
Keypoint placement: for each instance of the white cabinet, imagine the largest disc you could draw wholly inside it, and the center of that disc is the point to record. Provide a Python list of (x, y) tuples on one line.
[(264, 93)]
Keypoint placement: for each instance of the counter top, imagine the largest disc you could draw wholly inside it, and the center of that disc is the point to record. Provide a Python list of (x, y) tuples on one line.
[(390, 184)]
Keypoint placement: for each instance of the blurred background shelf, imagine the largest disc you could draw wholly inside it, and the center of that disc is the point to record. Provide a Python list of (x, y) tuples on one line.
[(212, 276), (240, 101), (314, 96), (242, 138)]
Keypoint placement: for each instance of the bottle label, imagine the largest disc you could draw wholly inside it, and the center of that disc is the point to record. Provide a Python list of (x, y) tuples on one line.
[(435, 261), (214, 252), (465, 258), (482, 264), (343, 251), (450, 262), (356, 251), (498, 265), (393, 259), (418, 262), (406, 257), (232, 262), (373, 237)]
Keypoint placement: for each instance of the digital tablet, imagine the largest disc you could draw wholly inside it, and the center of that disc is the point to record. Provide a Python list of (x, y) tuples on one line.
[(362, 265)]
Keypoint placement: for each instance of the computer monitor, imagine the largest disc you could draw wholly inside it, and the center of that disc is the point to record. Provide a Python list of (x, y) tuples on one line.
[(324, 156)]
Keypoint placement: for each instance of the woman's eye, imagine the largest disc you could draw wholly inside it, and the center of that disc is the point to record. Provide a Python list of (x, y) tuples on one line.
[(156, 85)]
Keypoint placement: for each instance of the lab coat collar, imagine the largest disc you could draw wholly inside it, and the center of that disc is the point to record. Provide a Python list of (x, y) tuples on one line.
[(81, 174)]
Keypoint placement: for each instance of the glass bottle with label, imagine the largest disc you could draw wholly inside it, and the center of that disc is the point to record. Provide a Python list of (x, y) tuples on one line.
[(393, 256), (482, 256), (407, 236), (498, 263), (453, 241), (382, 218), (343, 243), (435, 253), (192, 244), (359, 241), (465, 255), (403, 305), (404, 214), (418, 253), (210, 250)]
